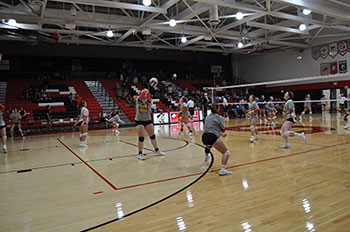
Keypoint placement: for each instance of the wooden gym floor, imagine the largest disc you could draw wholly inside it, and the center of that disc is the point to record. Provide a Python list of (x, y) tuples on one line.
[(49, 184)]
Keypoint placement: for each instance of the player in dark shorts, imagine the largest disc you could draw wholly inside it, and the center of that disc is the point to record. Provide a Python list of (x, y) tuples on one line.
[(214, 127), (16, 121), (289, 120), (307, 107), (3, 128), (144, 123), (82, 122)]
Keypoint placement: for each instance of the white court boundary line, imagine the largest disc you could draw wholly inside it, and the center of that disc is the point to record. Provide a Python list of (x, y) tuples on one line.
[(283, 102), (280, 81)]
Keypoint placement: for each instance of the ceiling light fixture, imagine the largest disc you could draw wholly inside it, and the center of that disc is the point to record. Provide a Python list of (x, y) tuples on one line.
[(110, 33), (240, 45), (302, 27), (146, 2), (183, 39), (172, 22), (239, 15), (306, 11), (12, 22)]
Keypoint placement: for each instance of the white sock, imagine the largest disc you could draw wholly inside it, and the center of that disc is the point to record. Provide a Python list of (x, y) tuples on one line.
[(223, 166), (4, 146)]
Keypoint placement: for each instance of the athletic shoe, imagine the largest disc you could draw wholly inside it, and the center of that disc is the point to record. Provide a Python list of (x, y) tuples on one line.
[(286, 145), (4, 149), (346, 126), (303, 136), (252, 139), (266, 122), (159, 153), (206, 158), (257, 137), (82, 145), (117, 132), (190, 134), (224, 172), (141, 157), (311, 118), (300, 117)]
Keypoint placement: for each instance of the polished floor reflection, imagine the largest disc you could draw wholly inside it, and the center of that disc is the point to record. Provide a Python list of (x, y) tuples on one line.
[(49, 184)]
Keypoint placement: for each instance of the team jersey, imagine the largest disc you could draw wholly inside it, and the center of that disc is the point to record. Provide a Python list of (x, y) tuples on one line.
[(214, 124), (289, 109), (184, 110), (143, 109), (323, 101), (190, 104), (270, 106), (224, 102), (15, 117), (115, 118), (262, 103), (307, 102), (84, 113), (2, 121), (253, 107)]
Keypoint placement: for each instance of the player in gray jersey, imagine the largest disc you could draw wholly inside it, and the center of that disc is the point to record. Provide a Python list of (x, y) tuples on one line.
[(323, 103), (271, 112), (307, 107), (3, 128), (289, 119), (347, 112), (184, 116), (214, 127), (15, 121), (144, 123), (253, 112), (82, 122), (114, 122)]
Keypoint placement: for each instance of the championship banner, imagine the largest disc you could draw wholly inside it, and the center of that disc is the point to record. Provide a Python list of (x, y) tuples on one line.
[(324, 68), (333, 68), (324, 51), (343, 66), (315, 52), (333, 50), (342, 47)]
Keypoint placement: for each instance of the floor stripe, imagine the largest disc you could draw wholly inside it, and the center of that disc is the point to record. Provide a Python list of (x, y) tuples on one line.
[(84, 162), (283, 156)]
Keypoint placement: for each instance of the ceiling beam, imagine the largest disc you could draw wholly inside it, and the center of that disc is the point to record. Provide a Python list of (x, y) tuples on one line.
[(275, 28), (321, 7), (124, 36), (289, 44), (235, 5), (119, 5), (239, 22), (199, 8), (192, 41)]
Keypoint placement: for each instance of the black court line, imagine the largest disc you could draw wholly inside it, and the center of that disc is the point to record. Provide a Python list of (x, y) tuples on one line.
[(161, 200), (96, 160)]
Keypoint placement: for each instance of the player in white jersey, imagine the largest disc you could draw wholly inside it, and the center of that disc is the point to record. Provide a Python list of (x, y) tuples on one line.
[(190, 105), (225, 108), (289, 119), (114, 122), (184, 115), (271, 112), (307, 107), (3, 128), (253, 113), (83, 121)]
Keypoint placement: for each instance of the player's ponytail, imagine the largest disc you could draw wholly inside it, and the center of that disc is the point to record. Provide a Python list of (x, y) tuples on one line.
[(214, 108)]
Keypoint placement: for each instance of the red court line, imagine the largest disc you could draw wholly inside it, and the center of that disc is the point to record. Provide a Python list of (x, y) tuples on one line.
[(159, 181), (98, 192), (96, 172), (283, 156)]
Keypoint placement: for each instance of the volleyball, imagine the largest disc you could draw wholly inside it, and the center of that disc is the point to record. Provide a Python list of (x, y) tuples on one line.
[(153, 82)]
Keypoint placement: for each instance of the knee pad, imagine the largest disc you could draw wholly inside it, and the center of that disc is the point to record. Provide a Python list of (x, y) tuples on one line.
[(207, 150), (153, 137), (81, 134), (85, 134), (310, 112), (141, 139), (346, 117), (227, 153), (5, 137), (252, 128), (282, 133)]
